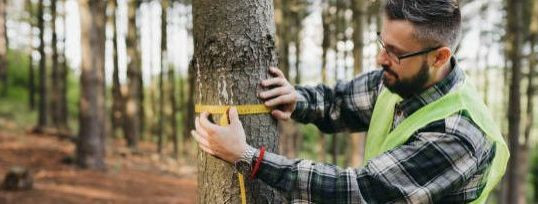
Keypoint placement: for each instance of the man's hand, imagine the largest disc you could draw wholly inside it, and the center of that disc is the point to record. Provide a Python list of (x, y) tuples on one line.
[(281, 96), (225, 142)]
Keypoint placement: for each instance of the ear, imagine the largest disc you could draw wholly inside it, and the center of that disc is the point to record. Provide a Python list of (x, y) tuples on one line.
[(442, 56)]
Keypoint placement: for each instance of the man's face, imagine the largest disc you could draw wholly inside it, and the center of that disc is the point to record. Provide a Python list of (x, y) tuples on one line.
[(408, 76)]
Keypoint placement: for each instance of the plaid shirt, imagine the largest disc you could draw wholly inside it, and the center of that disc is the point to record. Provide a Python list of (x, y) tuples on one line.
[(444, 162)]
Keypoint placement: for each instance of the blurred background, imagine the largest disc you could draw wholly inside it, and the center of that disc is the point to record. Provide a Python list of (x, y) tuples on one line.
[(149, 155)]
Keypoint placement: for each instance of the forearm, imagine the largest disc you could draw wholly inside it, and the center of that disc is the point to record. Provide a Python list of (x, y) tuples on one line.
[(303, 180)]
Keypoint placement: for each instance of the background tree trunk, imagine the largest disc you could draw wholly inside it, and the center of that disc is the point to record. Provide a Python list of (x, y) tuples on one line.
[(188, 108), (132, 122), (42, 110), (3, 48), (63, 112), (515, 26), (164, 66), (55, 78), (325, 45), (117, 98), (233, 49), (31, 75), (357, 139), (91, 142)]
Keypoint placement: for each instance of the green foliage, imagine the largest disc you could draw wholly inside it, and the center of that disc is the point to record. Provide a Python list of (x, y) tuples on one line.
[(15, 106)]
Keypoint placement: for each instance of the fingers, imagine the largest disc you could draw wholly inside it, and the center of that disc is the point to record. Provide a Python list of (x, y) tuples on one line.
[(202, 141), (207, 149), (233, 115), (284, 99), (206, 124), (278, 114), (199, 127), (273, 82), (276, 71), (275, 92)]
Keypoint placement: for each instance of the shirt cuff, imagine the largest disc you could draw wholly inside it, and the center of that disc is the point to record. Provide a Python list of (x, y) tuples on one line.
[(300, 106)]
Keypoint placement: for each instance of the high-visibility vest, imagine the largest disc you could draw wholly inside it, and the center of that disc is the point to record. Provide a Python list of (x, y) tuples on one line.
[(381, 139)]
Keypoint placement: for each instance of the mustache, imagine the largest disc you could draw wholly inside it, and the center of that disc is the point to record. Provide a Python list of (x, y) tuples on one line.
[(387, 69)]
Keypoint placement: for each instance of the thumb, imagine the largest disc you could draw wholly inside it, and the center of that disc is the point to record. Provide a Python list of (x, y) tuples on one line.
[(233, 115)]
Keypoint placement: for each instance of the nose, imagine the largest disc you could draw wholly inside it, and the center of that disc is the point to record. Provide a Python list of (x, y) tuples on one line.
[(382, 58)]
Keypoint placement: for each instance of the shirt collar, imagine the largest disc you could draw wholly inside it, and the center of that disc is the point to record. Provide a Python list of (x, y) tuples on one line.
[(410, 105)]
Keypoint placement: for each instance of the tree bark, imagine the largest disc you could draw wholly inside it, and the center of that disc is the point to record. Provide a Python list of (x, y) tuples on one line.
[(515, 26), (188, 107), (3, 47), (31, 77), (42, 109), (63, 112), (325, 45), (55, 83), (91, 142), (117, 98), (164, 66), (234, 47), (357, 139), (132, 120)]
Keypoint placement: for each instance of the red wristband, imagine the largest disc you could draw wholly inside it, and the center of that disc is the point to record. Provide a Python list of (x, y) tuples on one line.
[(258, 163)]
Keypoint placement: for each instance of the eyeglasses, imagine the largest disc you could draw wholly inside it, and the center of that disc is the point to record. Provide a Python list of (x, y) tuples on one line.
[(396, 58)]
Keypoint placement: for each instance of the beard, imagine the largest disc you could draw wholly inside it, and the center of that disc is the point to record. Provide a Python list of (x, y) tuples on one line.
[(407, 87)]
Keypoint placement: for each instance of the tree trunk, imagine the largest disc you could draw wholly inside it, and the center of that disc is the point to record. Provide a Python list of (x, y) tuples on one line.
[(117, 98), (164, 66), (3, 47), (188, 107), (42, 110), (283, 37), (234, 47), (63, 111), (171, 77), (173, 108), (357, 139), (325, 44), (91, 142), (31, 77), (132, 122), (515, 26), (55, 83)]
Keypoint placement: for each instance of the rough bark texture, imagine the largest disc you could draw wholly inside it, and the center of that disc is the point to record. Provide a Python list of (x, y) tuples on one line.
[(132, 122), (515, 26), (234, 46), (42, 110), (3, 47), (91, 141), (117, 98)]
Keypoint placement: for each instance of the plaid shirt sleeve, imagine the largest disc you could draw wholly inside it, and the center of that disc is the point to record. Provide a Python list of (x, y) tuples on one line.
[(347, 106), (433, 166)]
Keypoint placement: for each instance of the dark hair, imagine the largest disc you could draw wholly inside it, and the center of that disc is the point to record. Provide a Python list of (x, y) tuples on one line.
[(436, 22)]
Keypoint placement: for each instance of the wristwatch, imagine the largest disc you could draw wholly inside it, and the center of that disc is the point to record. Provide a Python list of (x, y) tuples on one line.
[(244, 163)]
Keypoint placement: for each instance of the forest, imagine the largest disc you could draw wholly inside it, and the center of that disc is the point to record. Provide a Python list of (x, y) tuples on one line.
[(97, 97)]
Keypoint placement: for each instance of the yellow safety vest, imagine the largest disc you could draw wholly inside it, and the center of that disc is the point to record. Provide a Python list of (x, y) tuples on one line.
[(381, 139)]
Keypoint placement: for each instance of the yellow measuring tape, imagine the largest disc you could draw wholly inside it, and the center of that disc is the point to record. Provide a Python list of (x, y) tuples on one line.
[(241, 110)]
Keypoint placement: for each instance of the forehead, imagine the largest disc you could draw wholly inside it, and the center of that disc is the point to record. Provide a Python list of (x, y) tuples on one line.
[(399, 33)]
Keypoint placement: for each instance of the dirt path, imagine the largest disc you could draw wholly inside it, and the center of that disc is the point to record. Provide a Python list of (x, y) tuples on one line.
[(142, 178)]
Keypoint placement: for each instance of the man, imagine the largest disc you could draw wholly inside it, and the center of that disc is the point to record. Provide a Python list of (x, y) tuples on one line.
[(430, 139)]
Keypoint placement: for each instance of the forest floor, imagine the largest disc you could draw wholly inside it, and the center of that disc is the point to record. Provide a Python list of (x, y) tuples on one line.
[(144, 177)]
